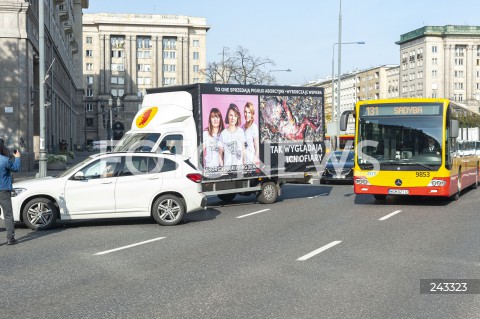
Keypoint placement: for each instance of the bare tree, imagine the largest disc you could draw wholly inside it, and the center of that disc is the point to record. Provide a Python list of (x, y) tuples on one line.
[(240, 67)]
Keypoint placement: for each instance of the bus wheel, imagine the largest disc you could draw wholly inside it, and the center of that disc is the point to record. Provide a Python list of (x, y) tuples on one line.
[(456, 196), (380, 196), (475, 185), (268, 193)]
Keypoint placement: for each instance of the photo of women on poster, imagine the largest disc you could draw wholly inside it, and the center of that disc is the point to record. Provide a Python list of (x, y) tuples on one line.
[(211, 136), (225, 149), (251, 137), (232, 141)]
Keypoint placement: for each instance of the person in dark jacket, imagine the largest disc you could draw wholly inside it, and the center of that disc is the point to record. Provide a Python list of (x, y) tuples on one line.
[(8, 165)]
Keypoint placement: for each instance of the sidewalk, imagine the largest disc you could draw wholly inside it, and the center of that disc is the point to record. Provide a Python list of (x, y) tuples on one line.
[(24, 175)]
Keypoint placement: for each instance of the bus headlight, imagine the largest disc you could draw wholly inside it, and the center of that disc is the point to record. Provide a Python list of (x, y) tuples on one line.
[(437, 183), (362, 181)]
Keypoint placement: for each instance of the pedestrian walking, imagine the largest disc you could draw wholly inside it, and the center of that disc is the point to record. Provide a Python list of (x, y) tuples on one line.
[(8, 165)]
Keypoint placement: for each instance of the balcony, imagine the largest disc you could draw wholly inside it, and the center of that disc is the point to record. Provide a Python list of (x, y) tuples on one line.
[(63, 15), (67, 28), (74, 47)]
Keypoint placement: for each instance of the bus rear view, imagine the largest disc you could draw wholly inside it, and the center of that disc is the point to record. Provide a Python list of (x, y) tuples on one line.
[(411, 147)]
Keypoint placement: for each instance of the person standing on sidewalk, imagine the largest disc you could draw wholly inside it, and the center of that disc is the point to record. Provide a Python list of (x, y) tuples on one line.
[(8, 165)]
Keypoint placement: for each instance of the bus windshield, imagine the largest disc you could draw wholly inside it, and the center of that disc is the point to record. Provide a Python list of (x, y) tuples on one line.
[(410, 142)]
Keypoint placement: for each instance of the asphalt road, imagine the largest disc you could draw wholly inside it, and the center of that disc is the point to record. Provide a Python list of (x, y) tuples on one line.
[(319, 252)]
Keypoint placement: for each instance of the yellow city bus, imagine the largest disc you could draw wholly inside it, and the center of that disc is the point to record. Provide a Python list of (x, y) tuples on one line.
[(415, 146)]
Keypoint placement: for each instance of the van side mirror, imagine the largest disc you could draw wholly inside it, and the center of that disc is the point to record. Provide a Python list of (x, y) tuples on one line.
[(454, 128)]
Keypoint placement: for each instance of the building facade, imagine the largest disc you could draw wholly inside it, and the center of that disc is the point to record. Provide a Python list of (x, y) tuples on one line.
[(19, 84), (124, 54), (441, 62)]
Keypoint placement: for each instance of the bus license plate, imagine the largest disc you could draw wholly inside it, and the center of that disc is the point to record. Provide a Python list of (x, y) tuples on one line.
[(398, 191)]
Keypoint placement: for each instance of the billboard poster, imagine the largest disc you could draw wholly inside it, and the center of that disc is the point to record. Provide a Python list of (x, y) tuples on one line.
[(261, 130)]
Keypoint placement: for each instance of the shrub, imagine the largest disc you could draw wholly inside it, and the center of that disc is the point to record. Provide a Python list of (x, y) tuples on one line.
[(55, 158)]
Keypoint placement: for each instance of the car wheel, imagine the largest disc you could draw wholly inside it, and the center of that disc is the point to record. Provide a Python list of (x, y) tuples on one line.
[(40, 213), (268, 193), (168, 210), (227, 198), (380, 196)]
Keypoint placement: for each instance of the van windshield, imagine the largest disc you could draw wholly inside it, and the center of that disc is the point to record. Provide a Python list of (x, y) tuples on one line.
[(137, 142)]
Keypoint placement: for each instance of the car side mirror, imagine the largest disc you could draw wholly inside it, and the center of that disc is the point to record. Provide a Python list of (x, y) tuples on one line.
[(79, 176)]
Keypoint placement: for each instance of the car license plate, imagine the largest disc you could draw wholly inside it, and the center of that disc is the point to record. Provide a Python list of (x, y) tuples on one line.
[(398, 191), (339, 176)]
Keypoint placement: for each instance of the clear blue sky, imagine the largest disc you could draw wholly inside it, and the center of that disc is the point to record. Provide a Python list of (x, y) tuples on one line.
[(299, 34)]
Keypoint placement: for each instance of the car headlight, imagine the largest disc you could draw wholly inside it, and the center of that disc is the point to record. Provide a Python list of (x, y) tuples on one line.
[(17, 191)]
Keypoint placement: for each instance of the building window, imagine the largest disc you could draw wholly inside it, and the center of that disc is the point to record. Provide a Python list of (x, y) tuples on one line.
[(458, 86), (196, 43), (169, 68), (144, 43), (117, 42), (89, 92), (117, 53), (169, 43), (458, 74), (477, 86), (88, 39), (458, 61), (169, 81), (89, 107), (89, 79), (117, 67), (89, 122), (117, 80), (434, 73), (89, 67), (195, 80), (143, 54), (196, 68), (143, 67), (118, 92), (434, 61), (434, 49), (89, 53), (434, 95), (196, 55), (459, 50)]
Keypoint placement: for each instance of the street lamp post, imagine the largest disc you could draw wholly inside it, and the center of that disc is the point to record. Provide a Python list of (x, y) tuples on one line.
[(337, 109), (110, 106)]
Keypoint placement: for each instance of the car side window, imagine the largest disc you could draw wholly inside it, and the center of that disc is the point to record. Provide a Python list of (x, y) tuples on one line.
[(135, 165), (103, 168)]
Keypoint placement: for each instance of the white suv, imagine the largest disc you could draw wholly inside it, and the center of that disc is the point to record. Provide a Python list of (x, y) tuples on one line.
[(112, 185)]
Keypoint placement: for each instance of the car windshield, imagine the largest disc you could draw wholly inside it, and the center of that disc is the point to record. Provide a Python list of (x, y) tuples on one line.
[(339, 155), (137, 142)]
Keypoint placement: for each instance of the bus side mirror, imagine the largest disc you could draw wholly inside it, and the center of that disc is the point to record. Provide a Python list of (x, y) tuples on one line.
[(344, 120), (453, 128)]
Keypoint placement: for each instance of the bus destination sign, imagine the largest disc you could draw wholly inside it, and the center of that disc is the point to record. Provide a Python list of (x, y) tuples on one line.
[(399, 110)]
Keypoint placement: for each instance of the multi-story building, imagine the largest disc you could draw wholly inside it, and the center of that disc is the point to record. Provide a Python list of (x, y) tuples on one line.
[(375, 83), (19, 84), (441, 62), (124, 54)]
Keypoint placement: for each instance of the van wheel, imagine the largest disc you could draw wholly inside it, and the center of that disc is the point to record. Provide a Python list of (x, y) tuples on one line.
[(380, 196), (227, 198), (268, 193), (40, 213), (168, 210)]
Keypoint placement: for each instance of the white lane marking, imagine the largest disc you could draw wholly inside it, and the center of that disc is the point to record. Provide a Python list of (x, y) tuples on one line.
[(260, 211), (319, 250), (390, 215), (128, 246)]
